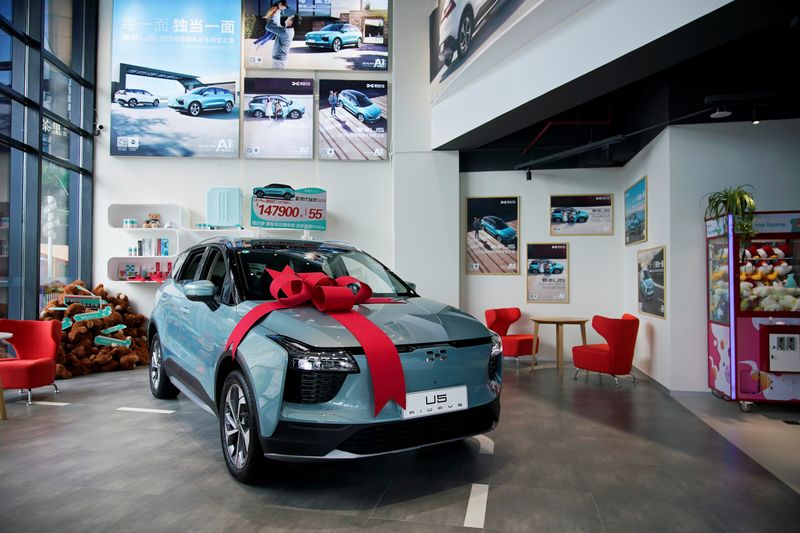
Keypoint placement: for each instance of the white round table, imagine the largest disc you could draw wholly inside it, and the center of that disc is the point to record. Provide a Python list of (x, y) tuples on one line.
[(3, 336)]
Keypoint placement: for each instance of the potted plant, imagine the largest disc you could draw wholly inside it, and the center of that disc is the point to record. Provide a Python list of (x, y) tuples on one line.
[(739, 202)]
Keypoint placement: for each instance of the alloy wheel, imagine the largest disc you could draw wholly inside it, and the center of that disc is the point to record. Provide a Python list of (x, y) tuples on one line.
[(237, 426), (465, 35), (337, 45), (194, 109), (155, 363)]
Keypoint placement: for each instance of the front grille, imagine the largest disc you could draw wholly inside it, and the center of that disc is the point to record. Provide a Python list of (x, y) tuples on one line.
[(312, 387), (494, 361), (419, 431)]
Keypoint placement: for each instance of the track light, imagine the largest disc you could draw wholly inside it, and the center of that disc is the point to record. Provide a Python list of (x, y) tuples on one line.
[(756, 120), (721, 112), (528, 174)]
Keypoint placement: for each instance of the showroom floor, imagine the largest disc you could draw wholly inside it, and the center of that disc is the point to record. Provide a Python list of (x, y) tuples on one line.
[(566, 456)]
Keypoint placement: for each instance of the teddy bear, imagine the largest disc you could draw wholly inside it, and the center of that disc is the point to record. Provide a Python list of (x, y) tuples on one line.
[(153, 221)]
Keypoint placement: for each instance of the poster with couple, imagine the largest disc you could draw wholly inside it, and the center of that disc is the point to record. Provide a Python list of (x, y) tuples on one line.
[(278, 118), (317, 34), (353, 120)]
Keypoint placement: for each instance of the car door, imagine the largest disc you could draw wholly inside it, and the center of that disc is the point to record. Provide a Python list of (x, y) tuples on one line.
[(172, 298)]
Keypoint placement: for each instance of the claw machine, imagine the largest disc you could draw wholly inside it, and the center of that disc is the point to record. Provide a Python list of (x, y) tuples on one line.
[(754, 310)]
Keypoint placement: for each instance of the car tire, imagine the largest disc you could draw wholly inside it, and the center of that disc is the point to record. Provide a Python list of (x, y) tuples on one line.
[(121, 103), (336, 45), (258, 113), (557, 271), (287, 196), (358, 43), (295, 114), (448, 58), (156, 102), (133, 102), (259, 194), (361, 117), (160, 385), (238, 429), (581, 220), (228, 107), (465, 29), (195, 108)]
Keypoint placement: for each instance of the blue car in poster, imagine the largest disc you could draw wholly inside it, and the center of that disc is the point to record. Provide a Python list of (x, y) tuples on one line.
[(203, 99), (568, 215), (335, 37), (299, 387), (259, 106), (275, 190), (545, 266), (646, 284), (499, 229), (359, 105)]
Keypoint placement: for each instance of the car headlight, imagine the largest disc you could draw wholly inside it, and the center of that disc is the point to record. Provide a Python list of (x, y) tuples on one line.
[(307, 358), (497, 344)]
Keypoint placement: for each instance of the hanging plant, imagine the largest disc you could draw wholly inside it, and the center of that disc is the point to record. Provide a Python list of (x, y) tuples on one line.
[(736, 201)]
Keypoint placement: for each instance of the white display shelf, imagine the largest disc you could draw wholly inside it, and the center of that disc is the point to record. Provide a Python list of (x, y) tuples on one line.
[(168, 212)]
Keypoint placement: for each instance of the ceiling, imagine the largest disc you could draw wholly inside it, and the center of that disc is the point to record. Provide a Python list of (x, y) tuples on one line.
[(744, 56)]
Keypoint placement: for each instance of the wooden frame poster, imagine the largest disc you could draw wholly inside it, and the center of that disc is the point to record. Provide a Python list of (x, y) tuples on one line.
[(492, 235), (547, 273)]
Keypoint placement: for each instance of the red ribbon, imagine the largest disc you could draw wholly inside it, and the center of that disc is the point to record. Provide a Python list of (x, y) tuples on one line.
[(336, 298)]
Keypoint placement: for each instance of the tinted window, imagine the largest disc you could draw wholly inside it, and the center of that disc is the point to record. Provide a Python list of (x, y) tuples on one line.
[(189, 271), (362, 100), (332, 27), (499, 224), (215, 271)]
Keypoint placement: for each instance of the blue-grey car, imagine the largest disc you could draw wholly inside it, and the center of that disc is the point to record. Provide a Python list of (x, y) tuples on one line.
[(545, 266), (359, 105), (265, 105), (299, 386), (203, 99), (646, 284), (499, 229), (275, 190), (335, 37)]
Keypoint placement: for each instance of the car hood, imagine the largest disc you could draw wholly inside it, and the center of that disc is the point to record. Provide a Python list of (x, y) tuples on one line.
[(371, 110), (405, 321), (648, 283), (508, 231), (318, 33)]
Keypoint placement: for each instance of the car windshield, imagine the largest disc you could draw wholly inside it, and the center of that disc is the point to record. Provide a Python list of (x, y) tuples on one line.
[(332, 27), (362, 100), (198, 90), (499, 223), (645, 275), (253, 263)]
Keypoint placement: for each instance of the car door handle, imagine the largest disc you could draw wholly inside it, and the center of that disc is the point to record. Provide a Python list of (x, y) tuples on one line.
[(185, 310)]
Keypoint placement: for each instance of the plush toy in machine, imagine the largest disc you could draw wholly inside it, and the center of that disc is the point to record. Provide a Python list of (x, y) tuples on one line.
[(781, 251), (746, 296), (781, 270), (720, 273), (791, 282), (765, 252), (763, 269), (746, 270)]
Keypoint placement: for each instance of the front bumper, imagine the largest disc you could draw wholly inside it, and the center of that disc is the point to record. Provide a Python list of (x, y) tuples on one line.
[(298, 441), (447, 48)]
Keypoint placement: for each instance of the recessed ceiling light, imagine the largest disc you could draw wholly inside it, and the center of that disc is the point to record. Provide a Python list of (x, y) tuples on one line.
[(721, 113)]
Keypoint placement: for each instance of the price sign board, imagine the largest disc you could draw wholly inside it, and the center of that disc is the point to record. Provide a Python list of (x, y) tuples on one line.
[(304, 209)]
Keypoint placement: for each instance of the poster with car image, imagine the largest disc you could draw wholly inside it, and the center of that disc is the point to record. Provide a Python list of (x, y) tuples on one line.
[(278, 118), (580, 214), (636, 212), (492, 227), (651, 275), (352, 122), (316, 34), (547, 279), (278, 205), (175, 77)]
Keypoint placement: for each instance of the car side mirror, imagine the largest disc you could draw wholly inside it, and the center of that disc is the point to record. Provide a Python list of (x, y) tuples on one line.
[(199, 291), (412, 286)]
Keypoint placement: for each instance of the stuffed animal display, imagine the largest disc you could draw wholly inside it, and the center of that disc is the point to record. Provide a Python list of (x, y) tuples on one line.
[(100, 332), (766, 280)]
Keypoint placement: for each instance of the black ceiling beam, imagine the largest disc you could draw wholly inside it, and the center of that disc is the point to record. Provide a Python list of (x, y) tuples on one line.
[(726, 24)]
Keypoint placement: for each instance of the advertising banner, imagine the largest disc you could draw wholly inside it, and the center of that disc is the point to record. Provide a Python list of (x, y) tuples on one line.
[(777, 222), (317, 34), (636, 212), (175, 72), (353, 120), (577, 214), (547, 273), (281, 206), (278, 118), (492, 226), (652, 279)]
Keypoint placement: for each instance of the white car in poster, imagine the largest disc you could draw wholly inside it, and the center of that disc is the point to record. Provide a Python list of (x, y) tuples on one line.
[(134, 97), (457, 27)]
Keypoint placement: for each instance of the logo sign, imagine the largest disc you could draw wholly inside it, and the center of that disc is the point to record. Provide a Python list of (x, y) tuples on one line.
[(435, 402), (777, 223), (306, 210)]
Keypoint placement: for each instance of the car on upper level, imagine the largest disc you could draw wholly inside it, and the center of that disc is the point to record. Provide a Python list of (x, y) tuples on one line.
[(359, 105), (545, 266), (275, 190), (299, 387), (646, 284), (134, 97), (202, 99), (499, 229), (335, 36), (568, 215), (260, 107), (459, 22)]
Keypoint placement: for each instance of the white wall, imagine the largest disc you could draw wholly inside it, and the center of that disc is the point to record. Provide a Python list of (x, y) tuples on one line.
[(595, 262), (598, 34)]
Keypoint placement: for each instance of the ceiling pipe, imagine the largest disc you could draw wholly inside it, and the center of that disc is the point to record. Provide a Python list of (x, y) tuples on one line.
[(606, 122)]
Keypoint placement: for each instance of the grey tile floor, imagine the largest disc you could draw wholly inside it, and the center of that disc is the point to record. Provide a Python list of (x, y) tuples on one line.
[(568, 456)]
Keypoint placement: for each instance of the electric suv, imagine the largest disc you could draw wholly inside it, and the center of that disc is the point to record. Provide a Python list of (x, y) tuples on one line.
[(203, 99), (545, 266), (300, 385), (359, 105), (275, 190), (499, 229), (134, 97), (459, 21), (259, 108), (568, 215), (334, 37)]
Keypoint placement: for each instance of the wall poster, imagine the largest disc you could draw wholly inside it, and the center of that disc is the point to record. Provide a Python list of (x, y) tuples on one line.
[(652, 280), (278, 118), (492, 226), (547, 279), (353, 120), (175, 78), (579, 214), (317, 35), (636, 212)]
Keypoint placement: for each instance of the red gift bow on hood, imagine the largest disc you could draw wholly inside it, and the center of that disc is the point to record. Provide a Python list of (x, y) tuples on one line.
[(335, 298)]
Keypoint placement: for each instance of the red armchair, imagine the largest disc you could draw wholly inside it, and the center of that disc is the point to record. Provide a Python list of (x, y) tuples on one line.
[(36, 345), (499, 320), (616, 357)]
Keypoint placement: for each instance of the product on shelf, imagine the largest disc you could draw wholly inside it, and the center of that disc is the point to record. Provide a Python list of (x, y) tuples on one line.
[(153, 221)]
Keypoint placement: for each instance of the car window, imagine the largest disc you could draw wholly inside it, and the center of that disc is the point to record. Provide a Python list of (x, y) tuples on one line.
[(215, 271), (189, 271), (363, 101)]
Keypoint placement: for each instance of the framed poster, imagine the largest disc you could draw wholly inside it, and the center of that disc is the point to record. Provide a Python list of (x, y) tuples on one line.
[(491, 233), (582, 214), (652, 280), (278, 118), (317, 34), (636, 212), (547, 273), (175, 78), (352, 122)]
